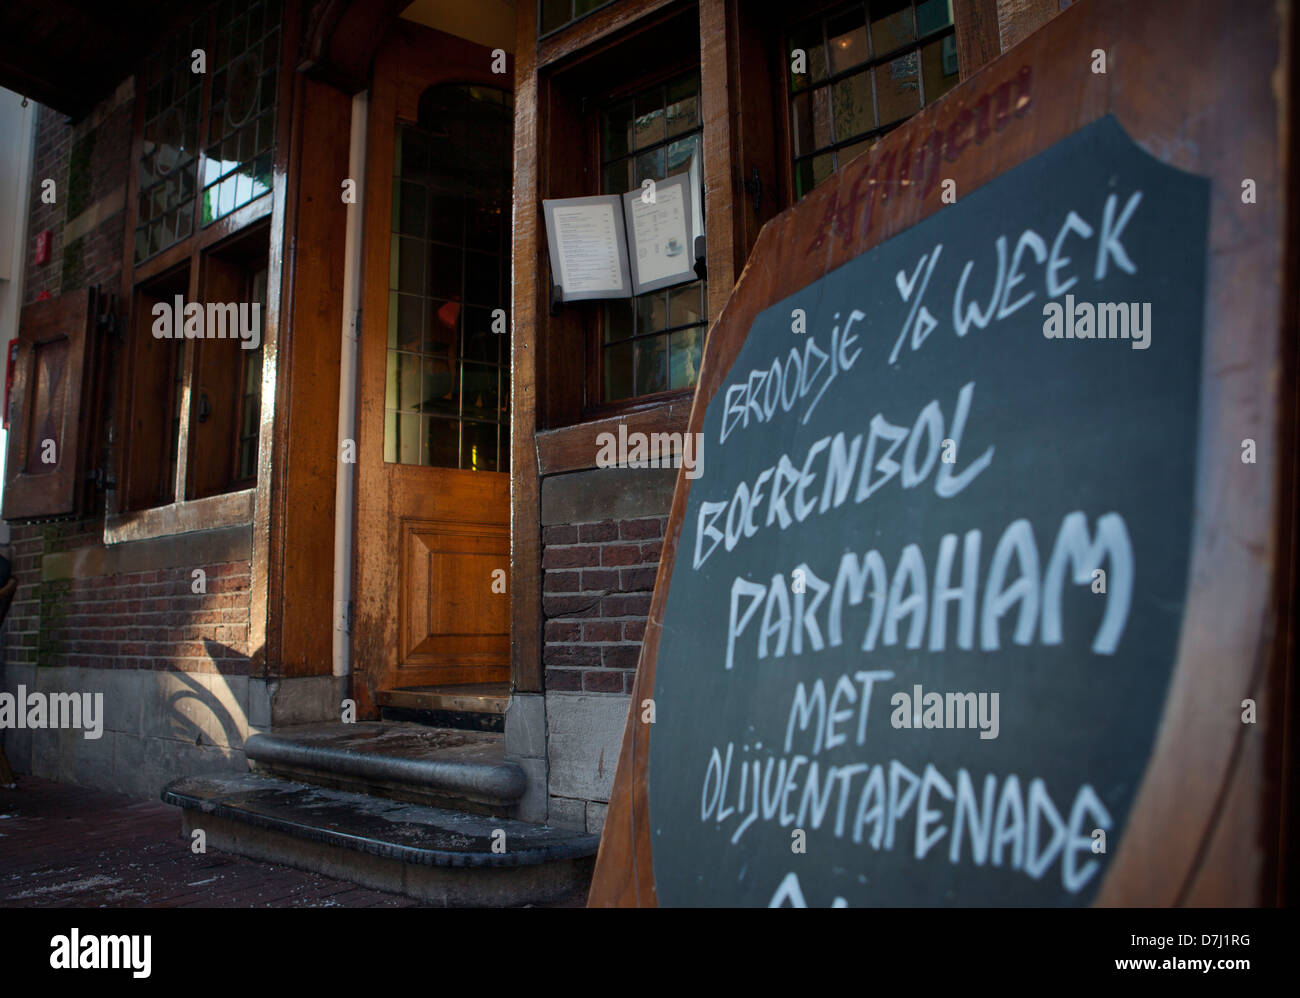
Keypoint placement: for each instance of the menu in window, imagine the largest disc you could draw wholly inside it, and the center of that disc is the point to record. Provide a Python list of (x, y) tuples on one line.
[(588, 247), (659, 224), (612, 246)]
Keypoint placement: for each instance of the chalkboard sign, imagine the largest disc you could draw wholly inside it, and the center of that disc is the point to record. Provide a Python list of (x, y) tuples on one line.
[(931, 581), (929, 588), (977, 599)]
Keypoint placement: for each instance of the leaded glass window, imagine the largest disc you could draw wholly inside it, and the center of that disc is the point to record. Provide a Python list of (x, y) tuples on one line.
[(240, 42), (448, 375), (653, 342), (241, 123), (867, 68), (169, 154)]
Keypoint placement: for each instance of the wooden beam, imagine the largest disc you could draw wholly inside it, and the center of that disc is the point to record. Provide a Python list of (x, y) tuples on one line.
[(1018, 19), (574, 448), (724, 198), (525, 309), (302, 553), (978, 43), (581, 35), (342, 37), (270, 498)]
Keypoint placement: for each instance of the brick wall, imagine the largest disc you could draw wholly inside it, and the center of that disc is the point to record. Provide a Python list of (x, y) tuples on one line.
[(138, 620), (100, 146), (132, 620), (597, 582), (53, 145)]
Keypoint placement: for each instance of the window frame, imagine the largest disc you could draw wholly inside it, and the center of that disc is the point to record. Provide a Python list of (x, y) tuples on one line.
[(243, 256), (789, 162), (573, 19), (461, 416), (183, 514), (594, 404), (975, 30)]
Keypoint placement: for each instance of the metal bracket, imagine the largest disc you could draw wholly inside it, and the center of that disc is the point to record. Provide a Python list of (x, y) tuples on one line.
[(101, 480), (108, 320)]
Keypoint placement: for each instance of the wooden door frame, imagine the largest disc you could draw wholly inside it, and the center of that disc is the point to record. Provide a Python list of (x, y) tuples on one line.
[(394, 97)]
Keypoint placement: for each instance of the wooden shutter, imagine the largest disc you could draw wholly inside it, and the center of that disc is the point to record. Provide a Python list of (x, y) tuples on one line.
[(214, 415), (48, 423)]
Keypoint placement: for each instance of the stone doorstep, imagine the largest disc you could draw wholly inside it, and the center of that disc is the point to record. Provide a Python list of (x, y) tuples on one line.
[(435, 854), (406, 761)]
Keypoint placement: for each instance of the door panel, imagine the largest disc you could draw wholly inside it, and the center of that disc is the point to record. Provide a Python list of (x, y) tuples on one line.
[(433, 540), (450, 615)]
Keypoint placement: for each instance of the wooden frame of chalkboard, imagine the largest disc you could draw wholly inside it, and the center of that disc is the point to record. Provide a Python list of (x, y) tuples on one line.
[(1204, 87)]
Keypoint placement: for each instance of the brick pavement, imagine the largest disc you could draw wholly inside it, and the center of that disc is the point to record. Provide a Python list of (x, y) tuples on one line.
[(63, 846)]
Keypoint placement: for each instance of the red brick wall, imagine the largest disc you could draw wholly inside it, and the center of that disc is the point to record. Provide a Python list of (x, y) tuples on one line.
[(53, 143), (99, 250), (136, 620), (23, 620), (596, 584)]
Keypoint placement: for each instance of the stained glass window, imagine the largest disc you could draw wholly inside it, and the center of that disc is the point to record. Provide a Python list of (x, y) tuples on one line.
[(240, 45), (241, 121), (169, 154)]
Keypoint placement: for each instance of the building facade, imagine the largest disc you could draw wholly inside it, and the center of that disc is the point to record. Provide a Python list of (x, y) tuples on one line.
[(384, 497)]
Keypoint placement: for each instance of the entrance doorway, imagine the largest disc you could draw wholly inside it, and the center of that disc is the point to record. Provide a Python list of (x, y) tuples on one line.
[(433, 543)]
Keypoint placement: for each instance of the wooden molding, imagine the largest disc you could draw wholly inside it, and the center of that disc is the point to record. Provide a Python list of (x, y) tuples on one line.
[(228, 510), (526, 306), (341, 38), (582, 35), (574, 448), (978, 40)]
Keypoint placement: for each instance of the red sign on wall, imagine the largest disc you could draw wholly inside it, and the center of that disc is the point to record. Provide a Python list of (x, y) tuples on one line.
[(43, 241)]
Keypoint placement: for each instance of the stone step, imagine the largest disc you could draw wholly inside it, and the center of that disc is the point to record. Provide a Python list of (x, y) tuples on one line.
[(437, 855), (466, 770), (474, 706)]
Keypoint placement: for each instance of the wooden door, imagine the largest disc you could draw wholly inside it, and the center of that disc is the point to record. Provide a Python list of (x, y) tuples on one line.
[(433, 541)]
